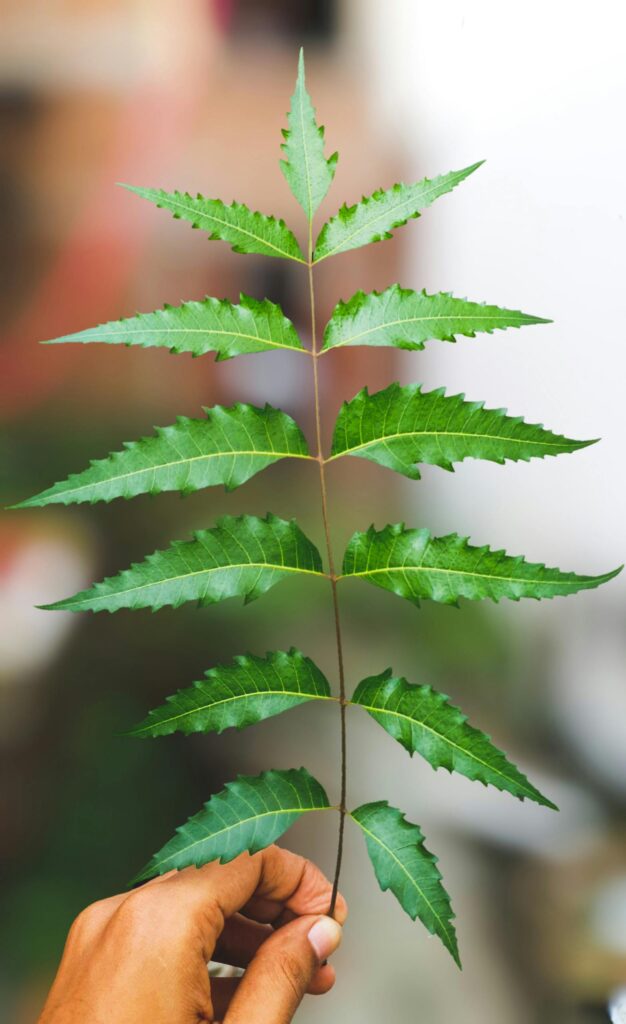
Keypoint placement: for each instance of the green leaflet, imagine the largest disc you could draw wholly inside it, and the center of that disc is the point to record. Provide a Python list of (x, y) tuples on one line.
[(243, 556), (246, 231), (402, 426), (375, 217), (423, 721), (309, 174), (415, 565), (212, 325), (228, 447), (403, 864), (407, 319), (240, 694), (249, 814)]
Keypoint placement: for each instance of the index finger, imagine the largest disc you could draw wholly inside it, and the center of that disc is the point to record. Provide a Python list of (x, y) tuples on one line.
[(264, 884)]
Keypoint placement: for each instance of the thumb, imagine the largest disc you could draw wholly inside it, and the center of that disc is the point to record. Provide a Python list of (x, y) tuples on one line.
[(283, 969)]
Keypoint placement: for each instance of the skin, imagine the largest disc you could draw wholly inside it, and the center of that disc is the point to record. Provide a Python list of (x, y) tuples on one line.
[(142, 956)]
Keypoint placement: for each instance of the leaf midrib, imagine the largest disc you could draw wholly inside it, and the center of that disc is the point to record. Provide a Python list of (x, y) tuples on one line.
[(182, 462), (230, 700), (450, 433), (466, 572), (98, 334), (519, 321), (199, 572), (239, 823)]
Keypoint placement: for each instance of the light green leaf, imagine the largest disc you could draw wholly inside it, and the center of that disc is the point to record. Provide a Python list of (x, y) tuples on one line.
[(228, 447), (249, 814), (243, 556), (402, 426), (406, 319), (424, 721), (212, 325), (402, 864), (415, 565), (375, 217), (309, 174), (240, 694), (245, 231)]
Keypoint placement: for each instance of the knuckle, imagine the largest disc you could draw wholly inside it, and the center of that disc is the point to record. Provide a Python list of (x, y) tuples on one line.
[(89, 920)]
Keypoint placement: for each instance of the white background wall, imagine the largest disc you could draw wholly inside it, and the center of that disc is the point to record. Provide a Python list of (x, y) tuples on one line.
[(539, 90)]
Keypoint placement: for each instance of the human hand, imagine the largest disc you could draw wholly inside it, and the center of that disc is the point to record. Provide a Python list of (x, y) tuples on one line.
[(143, 955)]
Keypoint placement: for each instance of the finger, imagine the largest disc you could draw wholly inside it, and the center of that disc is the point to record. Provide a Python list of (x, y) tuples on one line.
[(240, 941), (275, 878), (222, 991), (282, 971), (311, 895)]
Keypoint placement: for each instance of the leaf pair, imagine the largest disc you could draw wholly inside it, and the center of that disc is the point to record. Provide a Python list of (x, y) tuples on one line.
[(244, 556), (398, 427), (253, 812), (397, 317), (423, 721)]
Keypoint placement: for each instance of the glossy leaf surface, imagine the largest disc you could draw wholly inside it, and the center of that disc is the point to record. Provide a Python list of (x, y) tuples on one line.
[(212, 325), (401, 427), (249, 814), (239, 694), (425, 722), (403, 865), (245, 230), (243, 556), (376, 216), (308, 172), (406, 319), (228, 447), (415, 565)]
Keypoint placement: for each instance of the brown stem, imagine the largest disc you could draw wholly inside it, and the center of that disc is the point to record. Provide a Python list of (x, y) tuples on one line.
[(333, 582)]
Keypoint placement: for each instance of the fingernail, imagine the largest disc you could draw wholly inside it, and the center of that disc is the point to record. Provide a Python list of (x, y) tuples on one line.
[(325, 936)]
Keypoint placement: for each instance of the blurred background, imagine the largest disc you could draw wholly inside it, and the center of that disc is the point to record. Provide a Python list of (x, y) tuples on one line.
[(192, 94)]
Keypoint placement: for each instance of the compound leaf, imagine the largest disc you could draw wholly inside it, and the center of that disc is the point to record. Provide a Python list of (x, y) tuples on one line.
[(402, 426), (211, 325), (239, 694), (402, 864), (245, 230), (415, 565), (309, 174), (243, 556), (228, 447), (248, 814), (375, 217), (424, 722), (406, 319)]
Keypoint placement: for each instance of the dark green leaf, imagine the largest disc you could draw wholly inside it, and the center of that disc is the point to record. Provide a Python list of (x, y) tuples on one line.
[(424, 721), (406, 319), (402, 426), (375, 217), (240, 694), (308, 172), (212, 325), (249, 814), (403, 864), (415, 565), (228, 447), (243, 556), (244, 230)]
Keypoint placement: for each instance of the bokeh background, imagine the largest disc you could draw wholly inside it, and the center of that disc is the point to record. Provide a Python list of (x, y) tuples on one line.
[(192, 94)]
